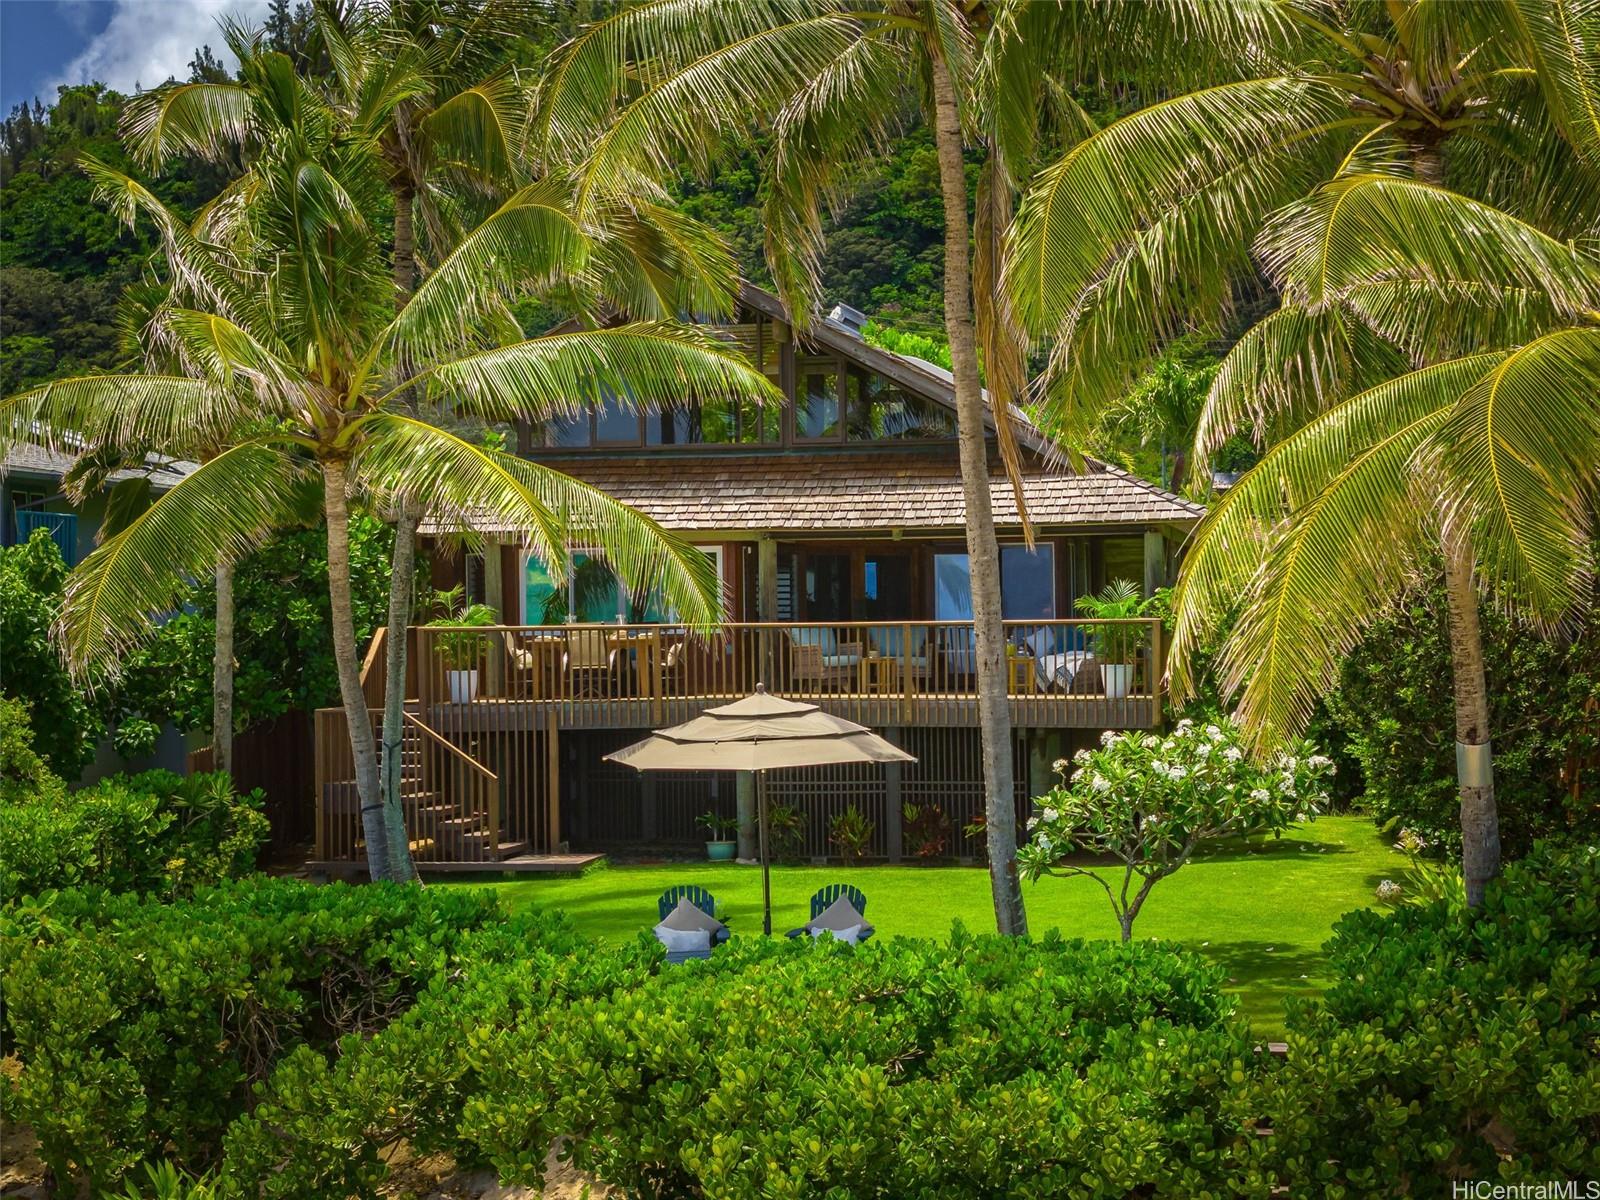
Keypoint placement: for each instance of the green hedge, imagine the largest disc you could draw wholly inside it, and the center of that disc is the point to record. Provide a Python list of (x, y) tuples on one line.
[(142, 1025), (1450, 1046), (152, 832)]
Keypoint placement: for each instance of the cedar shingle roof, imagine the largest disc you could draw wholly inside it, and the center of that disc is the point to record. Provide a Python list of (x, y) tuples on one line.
[(873, 491)]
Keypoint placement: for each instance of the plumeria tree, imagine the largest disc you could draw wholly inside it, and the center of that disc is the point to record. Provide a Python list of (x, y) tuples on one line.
[(282, 313), (1150, 801)]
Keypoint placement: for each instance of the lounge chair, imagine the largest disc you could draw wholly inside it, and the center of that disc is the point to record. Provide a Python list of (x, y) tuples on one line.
[(705, 905), (817, 658), (695, 895), (826, 897)]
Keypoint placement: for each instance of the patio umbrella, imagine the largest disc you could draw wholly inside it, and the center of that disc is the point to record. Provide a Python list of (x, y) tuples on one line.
[(760, 733)]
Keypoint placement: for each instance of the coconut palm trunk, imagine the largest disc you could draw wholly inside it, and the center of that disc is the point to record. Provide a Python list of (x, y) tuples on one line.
[(363, 748), (1480, 820), (983, 550), (401, 582), (222, 673)]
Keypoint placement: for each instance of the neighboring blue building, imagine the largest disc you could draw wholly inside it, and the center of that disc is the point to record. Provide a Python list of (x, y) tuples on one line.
[(31, 497)]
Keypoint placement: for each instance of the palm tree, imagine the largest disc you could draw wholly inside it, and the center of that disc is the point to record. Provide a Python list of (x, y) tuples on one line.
[(1329, 171), (429, 87), (283, 314)]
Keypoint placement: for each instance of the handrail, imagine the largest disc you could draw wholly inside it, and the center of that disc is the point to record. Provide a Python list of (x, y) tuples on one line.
[(885, 623), (454, 749)]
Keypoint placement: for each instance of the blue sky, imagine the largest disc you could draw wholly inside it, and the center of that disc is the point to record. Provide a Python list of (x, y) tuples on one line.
[(122, 43)]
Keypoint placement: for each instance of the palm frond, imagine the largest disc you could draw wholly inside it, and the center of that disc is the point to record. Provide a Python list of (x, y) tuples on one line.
[(1313, 539), (223, 510), (207, 120), (529, 241), (646, 366), (1522, 449), (123, 414), (652, 261), (1367, 228), (470, 487), (1564, 39), (1289, 367), (478, 127)]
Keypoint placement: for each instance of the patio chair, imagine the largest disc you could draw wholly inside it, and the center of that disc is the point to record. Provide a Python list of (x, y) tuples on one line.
[(590, 662), (826, 895), (891, 642), (695, 895), (818, 659)]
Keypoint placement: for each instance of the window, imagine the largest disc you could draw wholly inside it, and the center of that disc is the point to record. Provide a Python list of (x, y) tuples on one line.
[(568, 431), (675, 427), (761, 423), (881, 411), (816, 409), (1028, 582), (615, 424), (1027, 585)]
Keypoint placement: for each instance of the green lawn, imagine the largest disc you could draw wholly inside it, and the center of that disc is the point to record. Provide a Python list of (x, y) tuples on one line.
[(1262, 912)]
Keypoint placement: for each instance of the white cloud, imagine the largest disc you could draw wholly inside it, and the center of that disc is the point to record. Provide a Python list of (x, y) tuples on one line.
[(147, 41)]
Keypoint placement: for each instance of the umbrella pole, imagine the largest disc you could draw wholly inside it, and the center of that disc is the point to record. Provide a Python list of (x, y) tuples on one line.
[(766, 867)]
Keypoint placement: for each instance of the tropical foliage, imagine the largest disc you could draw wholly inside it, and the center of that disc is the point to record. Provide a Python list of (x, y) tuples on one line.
[(1149, 802), (1418, 183)]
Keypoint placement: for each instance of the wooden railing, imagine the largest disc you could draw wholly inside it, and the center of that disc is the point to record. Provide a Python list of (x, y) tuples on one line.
[(1059, 673), (454, 806)]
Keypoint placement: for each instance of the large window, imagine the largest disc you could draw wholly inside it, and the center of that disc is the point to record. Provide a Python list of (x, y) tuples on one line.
[(615, 424), (1027, 584), (816, 406), (880, 411)]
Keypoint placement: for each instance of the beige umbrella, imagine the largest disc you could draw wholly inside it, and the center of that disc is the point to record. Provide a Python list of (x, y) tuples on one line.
[(759, 733)]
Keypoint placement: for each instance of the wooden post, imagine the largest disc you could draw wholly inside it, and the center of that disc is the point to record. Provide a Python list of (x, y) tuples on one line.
[(1157, 670), (552, 744), (493, 596), (766, 579), (894, 803), (1155, 561)]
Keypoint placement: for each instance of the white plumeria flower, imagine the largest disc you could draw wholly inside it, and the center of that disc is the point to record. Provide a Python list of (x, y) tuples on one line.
[(1100, 783), (1184, 726), (1044, 841), (1301, 818), (1049, 814), (1108, 737), (1176, 772), (1260, 795), (1032, 821), (1233, 754), (1059, 765), (1082, 755), (1319, 761), (1213, 732), (1159, 767)]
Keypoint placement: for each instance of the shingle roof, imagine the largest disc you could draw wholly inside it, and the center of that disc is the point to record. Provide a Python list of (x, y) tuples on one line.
[(27, 459), (872, 491)]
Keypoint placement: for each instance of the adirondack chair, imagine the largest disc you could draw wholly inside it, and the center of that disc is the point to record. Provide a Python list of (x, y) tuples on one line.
[(827, 895), (695, 895)]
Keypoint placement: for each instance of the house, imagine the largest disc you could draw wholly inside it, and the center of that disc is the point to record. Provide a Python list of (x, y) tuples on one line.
[(32, 496), (836, 523)]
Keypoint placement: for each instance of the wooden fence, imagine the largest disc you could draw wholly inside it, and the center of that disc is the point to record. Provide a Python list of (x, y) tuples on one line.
[(279, 757)]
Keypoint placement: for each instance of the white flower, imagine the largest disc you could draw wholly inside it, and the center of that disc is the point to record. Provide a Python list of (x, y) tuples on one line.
[(1213, 732), (1319, 761), (1176, 772), (1168, 746), (1301, 818), (1389, 890), (1100, 783), (1049, 814), (1233, 754), (1059, 765), (1081, 756), (1260, 795), (1032, 821), (1184, 726), (1044, 842), (1108, 737)]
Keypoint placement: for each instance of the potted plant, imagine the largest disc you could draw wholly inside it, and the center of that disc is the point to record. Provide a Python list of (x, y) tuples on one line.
[(462, 650), (721, 847), (1115, 647)]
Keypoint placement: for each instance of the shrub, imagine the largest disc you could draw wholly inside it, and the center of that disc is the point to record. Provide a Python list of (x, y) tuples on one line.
[(1395, 707), (982, 1067), (1148, 801), (152, 832), (1450, 1045), (141, 1026)]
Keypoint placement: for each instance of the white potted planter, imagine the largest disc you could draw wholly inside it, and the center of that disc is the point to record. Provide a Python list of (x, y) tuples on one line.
[(1118, 679), (463, 686)]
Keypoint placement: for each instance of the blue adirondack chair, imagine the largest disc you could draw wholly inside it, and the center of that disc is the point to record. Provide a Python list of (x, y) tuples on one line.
[(695, 895), (827, 895)]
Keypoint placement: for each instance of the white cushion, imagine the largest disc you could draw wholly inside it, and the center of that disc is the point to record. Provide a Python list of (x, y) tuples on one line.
[(841, 660), (851, 935), (689, 916), (683, 939)]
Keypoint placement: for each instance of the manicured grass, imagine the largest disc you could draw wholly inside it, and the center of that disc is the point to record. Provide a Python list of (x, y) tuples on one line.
[(1261, 911)]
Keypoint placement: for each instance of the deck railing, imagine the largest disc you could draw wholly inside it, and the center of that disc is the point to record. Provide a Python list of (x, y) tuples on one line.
[(1065, 672)]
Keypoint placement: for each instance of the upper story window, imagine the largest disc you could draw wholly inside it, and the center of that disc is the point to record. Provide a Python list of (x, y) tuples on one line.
[(881, 411), (816, 402)]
